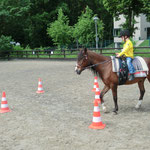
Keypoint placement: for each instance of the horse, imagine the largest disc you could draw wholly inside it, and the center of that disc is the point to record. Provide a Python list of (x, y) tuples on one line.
[(102, 66)]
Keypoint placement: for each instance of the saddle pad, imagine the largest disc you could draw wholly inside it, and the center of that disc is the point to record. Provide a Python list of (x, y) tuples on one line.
[(115, 64), (138, 63)]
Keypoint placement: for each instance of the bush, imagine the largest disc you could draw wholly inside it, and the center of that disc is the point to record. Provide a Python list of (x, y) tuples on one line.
[(5, 45), (18, 48)]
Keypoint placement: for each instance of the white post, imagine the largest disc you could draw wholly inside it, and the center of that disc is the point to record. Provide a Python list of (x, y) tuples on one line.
[(95, 19)]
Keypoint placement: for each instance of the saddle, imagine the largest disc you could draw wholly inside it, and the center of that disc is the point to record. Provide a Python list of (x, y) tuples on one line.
[(119, 66), (123, 71)]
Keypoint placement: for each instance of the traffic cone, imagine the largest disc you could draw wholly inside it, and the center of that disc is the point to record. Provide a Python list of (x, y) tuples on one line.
[(97, 121), (97, 94), (95, 84), (4, 105), (40, 87)]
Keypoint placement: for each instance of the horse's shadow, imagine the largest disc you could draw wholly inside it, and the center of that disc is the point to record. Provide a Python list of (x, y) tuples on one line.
[(131, 109), (128, 109)]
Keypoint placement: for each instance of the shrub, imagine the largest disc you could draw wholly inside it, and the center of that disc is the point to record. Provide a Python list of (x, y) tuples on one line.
[(5, 45)]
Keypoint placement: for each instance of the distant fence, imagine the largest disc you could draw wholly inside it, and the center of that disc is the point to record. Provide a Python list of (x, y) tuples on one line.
[(71, 53)]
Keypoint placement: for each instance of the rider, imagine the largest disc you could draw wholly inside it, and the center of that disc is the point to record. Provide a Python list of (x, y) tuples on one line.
[(127, 51)]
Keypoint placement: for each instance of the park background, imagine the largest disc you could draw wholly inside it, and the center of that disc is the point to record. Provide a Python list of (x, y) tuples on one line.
[(56, 29), (59, 118)]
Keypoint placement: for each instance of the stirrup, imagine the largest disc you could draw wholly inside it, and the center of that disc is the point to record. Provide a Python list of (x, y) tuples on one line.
[(131, 77)]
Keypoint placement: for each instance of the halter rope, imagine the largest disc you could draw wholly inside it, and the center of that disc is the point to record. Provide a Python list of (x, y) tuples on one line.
[(97, 64)]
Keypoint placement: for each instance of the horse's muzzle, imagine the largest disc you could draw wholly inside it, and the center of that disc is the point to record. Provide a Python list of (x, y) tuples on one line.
[(77, 70)]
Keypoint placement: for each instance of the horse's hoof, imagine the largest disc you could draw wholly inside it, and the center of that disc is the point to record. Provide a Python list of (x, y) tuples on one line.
[(115, 112), (137, 106), (106, 112), (104, 108)]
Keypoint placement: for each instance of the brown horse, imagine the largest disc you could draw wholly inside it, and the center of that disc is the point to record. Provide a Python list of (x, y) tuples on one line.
[(102, 65)]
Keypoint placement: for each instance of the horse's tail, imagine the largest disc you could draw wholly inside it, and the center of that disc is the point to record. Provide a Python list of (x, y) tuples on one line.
[(148, 77), (147, 60)]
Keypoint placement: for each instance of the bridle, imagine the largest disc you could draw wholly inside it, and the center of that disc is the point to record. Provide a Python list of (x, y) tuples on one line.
[(85, 57), (97, 64)]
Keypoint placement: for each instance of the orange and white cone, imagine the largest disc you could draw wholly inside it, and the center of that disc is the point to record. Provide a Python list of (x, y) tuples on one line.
[(95, 84), (40, 87), (4, 105), (97, 94), (97, 121)]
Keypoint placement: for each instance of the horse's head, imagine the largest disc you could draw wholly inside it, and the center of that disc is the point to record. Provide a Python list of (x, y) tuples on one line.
[(82, 61)]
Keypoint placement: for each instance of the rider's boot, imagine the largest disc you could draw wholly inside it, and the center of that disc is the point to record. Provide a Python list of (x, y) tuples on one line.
[(131, 77)]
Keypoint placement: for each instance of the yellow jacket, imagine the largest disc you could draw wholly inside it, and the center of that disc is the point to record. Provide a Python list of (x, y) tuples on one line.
[(127, 49)]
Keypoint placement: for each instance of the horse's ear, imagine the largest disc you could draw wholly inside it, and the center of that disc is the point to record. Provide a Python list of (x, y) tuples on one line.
[(85, 50), (85, 53)]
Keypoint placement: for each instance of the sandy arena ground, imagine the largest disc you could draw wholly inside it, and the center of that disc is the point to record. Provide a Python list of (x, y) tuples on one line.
[(59, 118)]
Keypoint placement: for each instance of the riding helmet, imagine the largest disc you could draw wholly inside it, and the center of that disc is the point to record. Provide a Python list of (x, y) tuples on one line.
[(125, 33)]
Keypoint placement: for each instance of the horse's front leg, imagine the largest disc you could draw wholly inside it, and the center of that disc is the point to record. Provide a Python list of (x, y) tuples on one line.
[(114, 93), (142, 91), (103, 92)]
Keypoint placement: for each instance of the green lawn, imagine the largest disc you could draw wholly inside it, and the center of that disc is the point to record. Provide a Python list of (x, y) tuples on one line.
[(145, 43)]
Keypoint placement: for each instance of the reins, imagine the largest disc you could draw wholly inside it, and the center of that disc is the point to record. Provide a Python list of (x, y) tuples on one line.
[(97, 64)]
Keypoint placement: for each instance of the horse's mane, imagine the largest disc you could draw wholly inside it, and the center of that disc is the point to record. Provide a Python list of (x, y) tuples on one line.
[(95, 55), (94, 71)]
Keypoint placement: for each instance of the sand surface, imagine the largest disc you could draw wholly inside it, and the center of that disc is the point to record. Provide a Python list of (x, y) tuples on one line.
[(59, 118)]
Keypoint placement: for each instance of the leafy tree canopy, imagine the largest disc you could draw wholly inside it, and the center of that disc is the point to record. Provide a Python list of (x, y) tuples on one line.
[(60, 31), (129, 8), (84, 30)]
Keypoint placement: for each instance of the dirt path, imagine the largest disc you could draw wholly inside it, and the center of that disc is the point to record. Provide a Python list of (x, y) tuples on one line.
[(59, 118)]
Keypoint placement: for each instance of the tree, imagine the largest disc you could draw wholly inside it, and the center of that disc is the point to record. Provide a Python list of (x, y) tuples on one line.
[(84, 29), (146, 8), (129, 8), (60, 31), (5, 45), (98, 8), (27, 20), (13, 15)]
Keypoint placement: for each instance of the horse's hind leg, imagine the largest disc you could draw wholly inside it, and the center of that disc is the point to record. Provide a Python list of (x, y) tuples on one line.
[(103, 92), (142, 91), (114, 92)]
